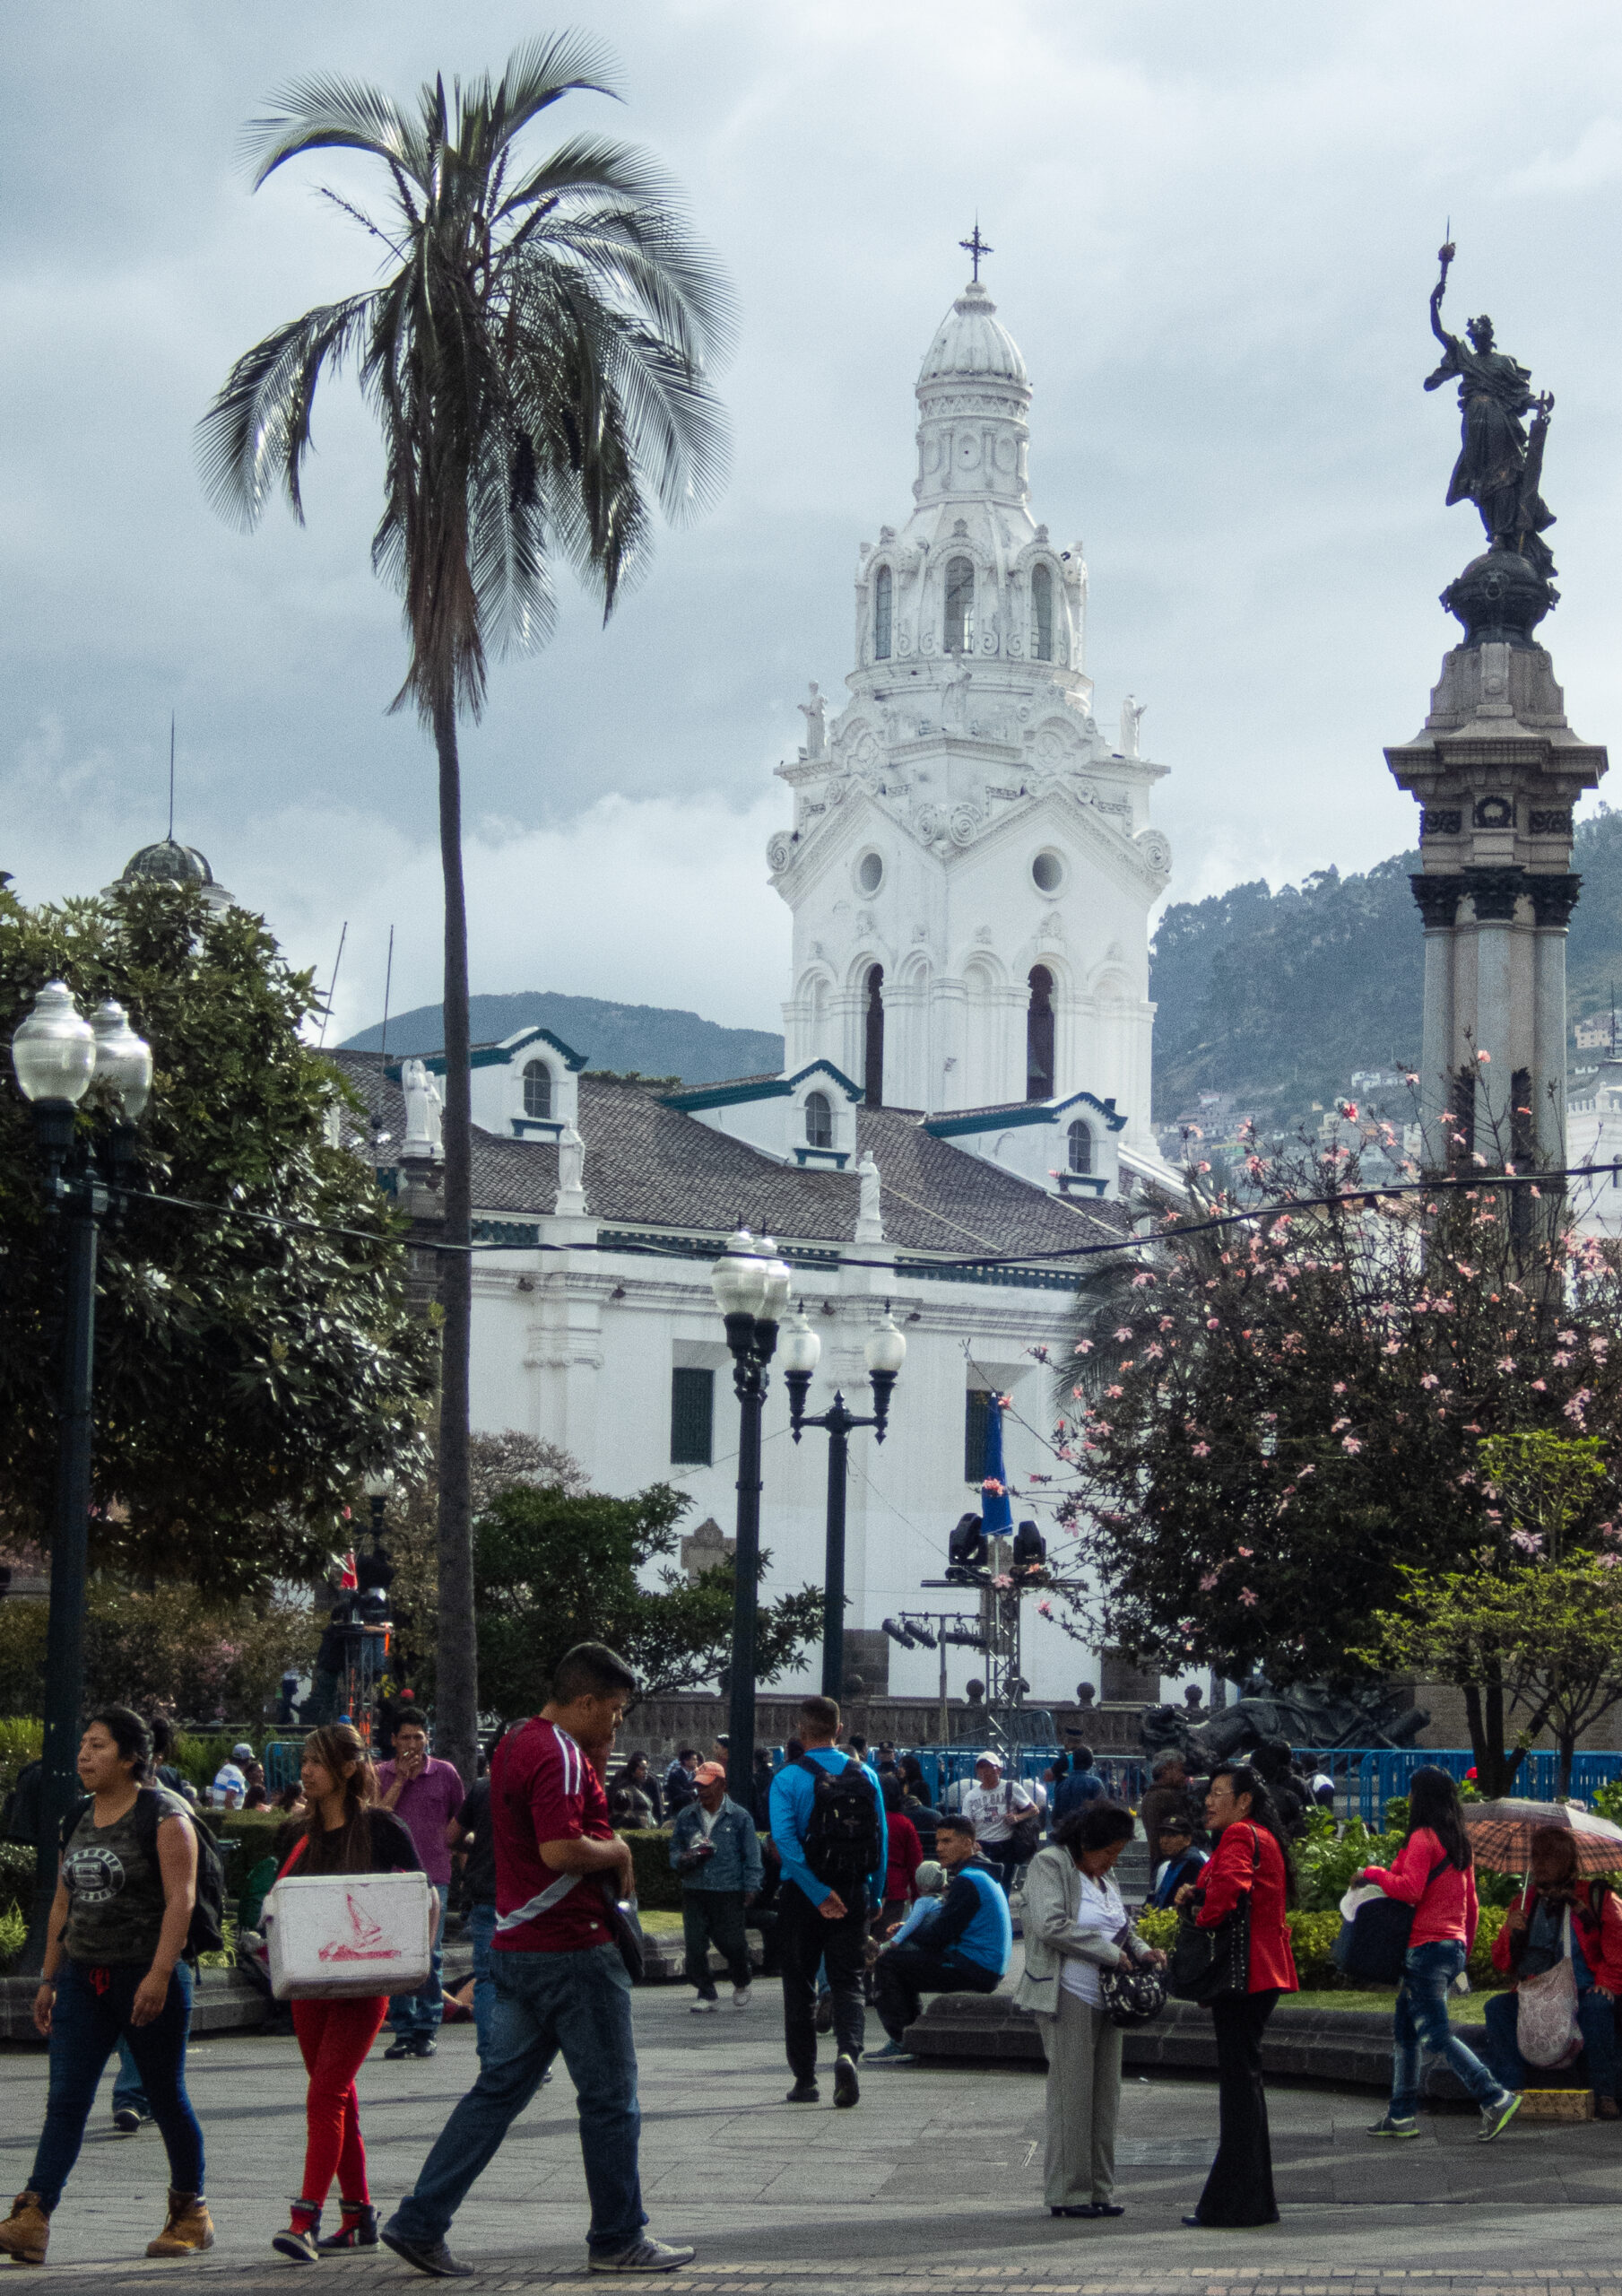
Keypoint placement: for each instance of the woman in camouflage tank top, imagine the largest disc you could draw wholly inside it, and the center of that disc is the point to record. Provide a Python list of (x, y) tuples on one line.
[(113, 1968)]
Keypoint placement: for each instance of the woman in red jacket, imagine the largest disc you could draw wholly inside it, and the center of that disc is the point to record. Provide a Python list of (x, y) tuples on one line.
[(1534, 1938), (1251, 1859), (1435, 1873)]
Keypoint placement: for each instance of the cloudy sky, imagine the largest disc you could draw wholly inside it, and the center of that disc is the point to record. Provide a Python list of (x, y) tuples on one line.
[(1215, 233)]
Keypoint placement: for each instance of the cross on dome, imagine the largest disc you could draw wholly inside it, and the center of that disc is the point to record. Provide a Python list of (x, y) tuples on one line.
[(975, 247)]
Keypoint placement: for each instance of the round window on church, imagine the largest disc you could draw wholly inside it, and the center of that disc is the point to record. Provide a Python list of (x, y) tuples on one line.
[(870, 873), (1047, 873)]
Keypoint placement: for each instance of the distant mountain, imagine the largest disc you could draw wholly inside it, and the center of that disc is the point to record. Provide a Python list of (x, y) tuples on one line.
[(1278, 998), (645, 1037)]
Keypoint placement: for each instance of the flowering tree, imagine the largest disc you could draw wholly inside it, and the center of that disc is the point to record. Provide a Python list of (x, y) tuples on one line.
[(1276, 1409)]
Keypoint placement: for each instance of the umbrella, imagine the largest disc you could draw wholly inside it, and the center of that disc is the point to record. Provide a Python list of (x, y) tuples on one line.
[(1501, 1834)]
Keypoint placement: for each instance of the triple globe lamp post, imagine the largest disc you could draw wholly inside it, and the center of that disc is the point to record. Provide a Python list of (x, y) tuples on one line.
[(56, 1054), (751, 1286)]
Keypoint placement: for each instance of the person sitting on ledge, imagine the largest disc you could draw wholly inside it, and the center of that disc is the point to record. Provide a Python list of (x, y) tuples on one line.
[(965, 1948), (1534, 1938)]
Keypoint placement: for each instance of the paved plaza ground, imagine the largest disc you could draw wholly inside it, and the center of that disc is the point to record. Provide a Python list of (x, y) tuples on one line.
[(931, 2187)]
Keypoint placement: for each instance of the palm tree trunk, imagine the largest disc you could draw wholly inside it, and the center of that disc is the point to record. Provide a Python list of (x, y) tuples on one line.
[(457, 1698)]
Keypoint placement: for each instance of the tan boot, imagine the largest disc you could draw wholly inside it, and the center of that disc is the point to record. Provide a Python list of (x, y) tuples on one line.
[(189, 2228), (24, 2235)]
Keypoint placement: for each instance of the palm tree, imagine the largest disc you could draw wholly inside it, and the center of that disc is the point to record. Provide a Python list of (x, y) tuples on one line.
[(535, 355)]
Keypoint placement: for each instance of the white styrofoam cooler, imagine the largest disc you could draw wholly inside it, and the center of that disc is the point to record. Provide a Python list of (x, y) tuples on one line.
[(335, 1935)]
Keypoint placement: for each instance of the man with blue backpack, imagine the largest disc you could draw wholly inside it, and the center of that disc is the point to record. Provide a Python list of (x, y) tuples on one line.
[(828, 1829)]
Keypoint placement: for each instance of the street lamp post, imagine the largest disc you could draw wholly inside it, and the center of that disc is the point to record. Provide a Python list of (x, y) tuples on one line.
[(56, 1053), (886, 1352), (751, 1287)]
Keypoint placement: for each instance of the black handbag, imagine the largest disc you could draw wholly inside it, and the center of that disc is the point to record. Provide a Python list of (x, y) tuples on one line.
[(625, 1929), (1213, 1964), (1133, 1992), (1372, 1948)]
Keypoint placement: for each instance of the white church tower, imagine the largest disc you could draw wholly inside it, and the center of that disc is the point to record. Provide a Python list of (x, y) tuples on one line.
[(971, 863)]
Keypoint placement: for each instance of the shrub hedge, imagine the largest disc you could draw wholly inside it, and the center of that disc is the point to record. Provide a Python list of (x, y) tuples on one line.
[(1312, 1937)]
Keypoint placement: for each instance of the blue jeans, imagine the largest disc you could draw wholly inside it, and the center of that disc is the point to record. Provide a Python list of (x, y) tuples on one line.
[(482, 1928), (87, 2024), (1421, 2022), (423, 2011), (128, 2095), (545, 2003), (1595, 2015)]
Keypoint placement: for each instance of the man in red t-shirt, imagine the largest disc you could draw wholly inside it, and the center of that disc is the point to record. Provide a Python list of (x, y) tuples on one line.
[(560, 1982)]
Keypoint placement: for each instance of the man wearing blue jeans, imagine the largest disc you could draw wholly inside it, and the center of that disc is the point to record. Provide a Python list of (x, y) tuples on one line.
[(424, 1794), (558, 1981), (472, 1824)]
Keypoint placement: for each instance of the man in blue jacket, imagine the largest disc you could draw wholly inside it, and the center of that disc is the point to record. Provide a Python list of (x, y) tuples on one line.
[(965, 1948), (822, 1917), (716, 1851)]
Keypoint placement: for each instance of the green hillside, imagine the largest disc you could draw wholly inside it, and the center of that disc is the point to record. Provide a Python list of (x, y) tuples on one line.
[(1278, 998), (652, 1039)]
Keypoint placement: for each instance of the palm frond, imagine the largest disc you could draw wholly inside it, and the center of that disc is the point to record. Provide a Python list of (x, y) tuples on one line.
[(543, 70), (323, 111), (258, 432)]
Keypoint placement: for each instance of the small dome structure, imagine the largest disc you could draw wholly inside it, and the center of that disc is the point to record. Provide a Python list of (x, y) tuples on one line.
[(166, 862), (971, 339)]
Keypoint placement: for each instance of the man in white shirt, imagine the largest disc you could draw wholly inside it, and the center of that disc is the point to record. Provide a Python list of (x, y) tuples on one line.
[(995, 1806), (231, 1781)]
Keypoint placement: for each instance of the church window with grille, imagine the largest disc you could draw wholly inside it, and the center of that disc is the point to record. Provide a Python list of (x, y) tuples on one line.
[(692, 1417), (818, 1121), (1042, 614), (883, 598), (959, 605), (537, 1089), (874, 1046), (1081, 1146), (1039, 1036)]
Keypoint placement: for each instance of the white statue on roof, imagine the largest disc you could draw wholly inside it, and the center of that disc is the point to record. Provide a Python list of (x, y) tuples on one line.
[(571, 1175), (870, 1218), (424, 1109)]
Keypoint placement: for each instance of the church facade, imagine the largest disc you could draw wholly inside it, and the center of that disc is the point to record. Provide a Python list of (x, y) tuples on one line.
[(964, 1106)]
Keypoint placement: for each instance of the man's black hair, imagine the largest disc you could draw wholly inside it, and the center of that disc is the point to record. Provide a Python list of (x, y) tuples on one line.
[(590, 1670), (950, 1823), (1082, 1757)]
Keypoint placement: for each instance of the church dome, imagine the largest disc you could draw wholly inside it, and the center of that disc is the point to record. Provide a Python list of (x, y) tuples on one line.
[(972, 341), (166, 862)]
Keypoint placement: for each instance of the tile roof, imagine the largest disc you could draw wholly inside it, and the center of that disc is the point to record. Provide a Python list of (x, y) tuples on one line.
[(650, 1166)]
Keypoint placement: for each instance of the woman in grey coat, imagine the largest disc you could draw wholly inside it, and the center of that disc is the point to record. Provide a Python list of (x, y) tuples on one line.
[(1076, 1927)]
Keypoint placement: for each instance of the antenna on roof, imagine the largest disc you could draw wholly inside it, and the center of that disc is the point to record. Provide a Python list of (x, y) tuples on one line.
[(171, 777), (331, 989)]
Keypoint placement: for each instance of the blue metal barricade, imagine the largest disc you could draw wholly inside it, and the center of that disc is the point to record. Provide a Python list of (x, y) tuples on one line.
[(1366, 1778)]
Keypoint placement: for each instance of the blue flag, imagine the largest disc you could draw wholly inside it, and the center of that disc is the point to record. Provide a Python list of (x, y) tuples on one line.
[(996, 1513)]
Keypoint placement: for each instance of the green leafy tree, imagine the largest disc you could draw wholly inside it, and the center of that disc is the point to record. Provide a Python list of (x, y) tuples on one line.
[(555, 1568), (169, 1649), (1290, 1411), (1532, 1624), (254, 1349), (535, 355)]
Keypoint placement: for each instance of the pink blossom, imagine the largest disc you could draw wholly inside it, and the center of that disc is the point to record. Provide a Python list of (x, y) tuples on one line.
[(1339, 1389), (1213, 1323), (1114, 1391), (1202, 1450), (1045, 1609), (1123, 1331), (1349, 1443), (1541, 1387), (1244, 1550), (1484, 1056), (1084, 1347), (1527, 1542), (1412, 1076), (1430, 1380), (1506, 1363), (1247, 1598), (1207, 1581), (1391, 1347), (997, 1490), (1139, 1281)]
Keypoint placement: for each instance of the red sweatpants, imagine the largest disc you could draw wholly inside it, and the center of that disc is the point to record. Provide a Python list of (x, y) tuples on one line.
[(333, 2038)]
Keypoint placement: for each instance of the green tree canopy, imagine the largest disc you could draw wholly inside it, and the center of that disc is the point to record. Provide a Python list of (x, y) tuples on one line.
[(247, 1369), (555, 1568)]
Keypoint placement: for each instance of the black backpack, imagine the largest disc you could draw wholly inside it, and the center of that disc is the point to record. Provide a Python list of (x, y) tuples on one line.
[(845, 1841), (206, 1931)]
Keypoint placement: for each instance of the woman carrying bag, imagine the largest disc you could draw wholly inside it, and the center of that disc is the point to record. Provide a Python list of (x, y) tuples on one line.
[(1076, 1926), (1435, 1873), (1245, 1891), (343, 1832), (113, 1970), (1558, 1918)]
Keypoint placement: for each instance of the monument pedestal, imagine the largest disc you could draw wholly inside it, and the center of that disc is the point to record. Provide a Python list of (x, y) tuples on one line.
[(1497, 769)]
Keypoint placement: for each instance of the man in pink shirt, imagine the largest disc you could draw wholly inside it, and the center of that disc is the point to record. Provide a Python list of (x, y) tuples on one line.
[(424, 1794)]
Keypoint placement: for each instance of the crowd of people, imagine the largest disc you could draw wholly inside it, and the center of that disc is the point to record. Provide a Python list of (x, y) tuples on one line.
[(877, 1898)]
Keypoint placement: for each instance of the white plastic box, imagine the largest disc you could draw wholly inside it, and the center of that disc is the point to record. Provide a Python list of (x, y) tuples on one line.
[(332, 1937)]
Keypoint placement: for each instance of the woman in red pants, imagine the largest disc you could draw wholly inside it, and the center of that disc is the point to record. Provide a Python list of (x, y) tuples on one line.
[(343, 1832)]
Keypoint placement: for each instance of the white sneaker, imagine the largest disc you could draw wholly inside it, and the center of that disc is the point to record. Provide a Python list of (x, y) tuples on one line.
[(645, 2256), (704, 2008), (741, 1995)]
